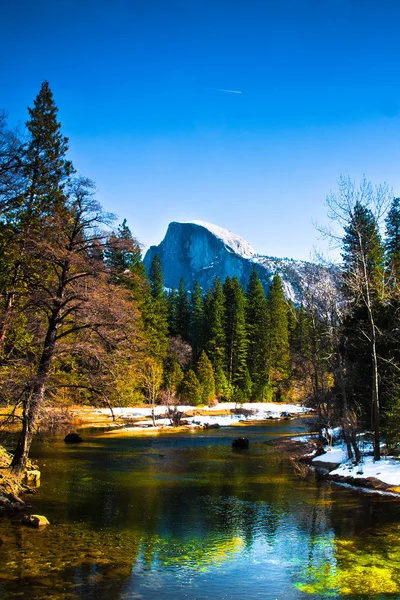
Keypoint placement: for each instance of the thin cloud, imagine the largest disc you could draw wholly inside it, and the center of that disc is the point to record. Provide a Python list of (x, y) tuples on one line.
[(226, 91)]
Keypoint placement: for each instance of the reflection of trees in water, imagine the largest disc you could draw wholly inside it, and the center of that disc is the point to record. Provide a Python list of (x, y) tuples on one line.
[(353, 544), (178, 507)]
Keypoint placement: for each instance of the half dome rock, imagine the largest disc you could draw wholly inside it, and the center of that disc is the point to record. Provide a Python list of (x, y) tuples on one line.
[(200, 251)]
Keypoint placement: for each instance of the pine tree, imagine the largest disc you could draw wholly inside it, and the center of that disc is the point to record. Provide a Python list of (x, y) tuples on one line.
[(392, 243), (223, 389), (197, 321), (363, 256), (300, 343), (214, 309), (45, 172), (36, 218), (173, 376), (363, 267), (124, 258), (182, 312), (155, 312), (122, 251), (172, 320), (235, 331), (156, 277), (191, 389), (279, 350), (257, 318), (205, 375)]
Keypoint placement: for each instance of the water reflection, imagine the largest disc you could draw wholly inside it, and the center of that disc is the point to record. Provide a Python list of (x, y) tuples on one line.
[(185, 517)]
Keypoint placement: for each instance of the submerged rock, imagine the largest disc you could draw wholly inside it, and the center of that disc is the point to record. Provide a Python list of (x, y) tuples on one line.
[(35, 521), (240, 443), (73, 438)]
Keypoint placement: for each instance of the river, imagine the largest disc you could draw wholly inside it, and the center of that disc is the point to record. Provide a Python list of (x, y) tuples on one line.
[(185, 517)]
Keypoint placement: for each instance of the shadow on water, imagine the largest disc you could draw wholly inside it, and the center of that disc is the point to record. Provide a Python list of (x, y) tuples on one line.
[(183, 516)]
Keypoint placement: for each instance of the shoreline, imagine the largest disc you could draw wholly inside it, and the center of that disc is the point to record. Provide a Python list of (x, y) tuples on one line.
[(382, 477), (137, 420)]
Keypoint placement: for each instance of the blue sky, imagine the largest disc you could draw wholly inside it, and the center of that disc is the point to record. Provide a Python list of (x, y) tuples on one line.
[(137, 84)]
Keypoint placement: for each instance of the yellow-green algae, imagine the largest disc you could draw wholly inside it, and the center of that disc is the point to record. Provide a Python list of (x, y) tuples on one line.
[(360, 567)]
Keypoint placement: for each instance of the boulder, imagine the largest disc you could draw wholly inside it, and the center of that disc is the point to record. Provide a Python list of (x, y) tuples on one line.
[(240, 443), (35, 521), (32, 478), (73, 438)]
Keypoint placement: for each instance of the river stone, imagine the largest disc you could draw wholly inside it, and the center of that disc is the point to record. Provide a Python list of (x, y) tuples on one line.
[(73, 438), (32, 478), (240, 443), (35, 521)]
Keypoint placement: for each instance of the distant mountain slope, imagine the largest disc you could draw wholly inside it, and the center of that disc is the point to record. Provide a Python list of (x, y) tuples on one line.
[(199, 251)]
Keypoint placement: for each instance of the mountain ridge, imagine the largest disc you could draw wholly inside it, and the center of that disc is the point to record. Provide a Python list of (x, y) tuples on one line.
[(200, 251)]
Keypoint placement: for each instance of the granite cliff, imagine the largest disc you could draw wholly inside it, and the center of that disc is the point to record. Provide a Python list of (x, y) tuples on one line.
[(199, 251)]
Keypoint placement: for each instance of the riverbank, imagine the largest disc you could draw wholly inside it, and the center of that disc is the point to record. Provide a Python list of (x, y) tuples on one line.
[(333, 464), (382, 475), (11, 488), (138, 420)]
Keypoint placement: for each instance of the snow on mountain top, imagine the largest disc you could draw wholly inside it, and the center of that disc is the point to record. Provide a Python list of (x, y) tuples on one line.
[(231, 240)]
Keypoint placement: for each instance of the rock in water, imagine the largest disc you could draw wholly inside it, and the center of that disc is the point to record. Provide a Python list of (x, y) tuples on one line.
[(35, 521), (73, 438), (32, 478), (240, 443)]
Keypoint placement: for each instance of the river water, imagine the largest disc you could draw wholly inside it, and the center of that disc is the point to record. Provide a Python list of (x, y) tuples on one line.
[(185, 517)]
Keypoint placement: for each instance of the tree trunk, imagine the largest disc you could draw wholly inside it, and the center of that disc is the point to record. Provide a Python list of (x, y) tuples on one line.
[(34, 401), (375, 417), (375, 403)]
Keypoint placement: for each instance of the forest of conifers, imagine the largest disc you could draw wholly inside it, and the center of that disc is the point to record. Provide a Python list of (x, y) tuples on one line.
[(81, 322)]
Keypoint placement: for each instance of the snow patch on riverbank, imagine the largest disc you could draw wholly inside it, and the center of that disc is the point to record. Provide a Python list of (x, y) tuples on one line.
[(386, 470), (261, 409), (335, 455), (253, 411)]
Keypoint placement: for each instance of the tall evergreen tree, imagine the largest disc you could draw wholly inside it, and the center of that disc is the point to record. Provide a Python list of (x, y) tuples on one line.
[(392, 243), (156, 277), (301, 343), (279, 350), (155, 312), (197, 322), (182, 312), (214, 309), (45, 172), (235, 331), (191, 389), (223, 389), (122, 251), (205, 375), (123, 256), (172, 324), (45, 164), (363, 265), (257, 318), (363, 256)]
